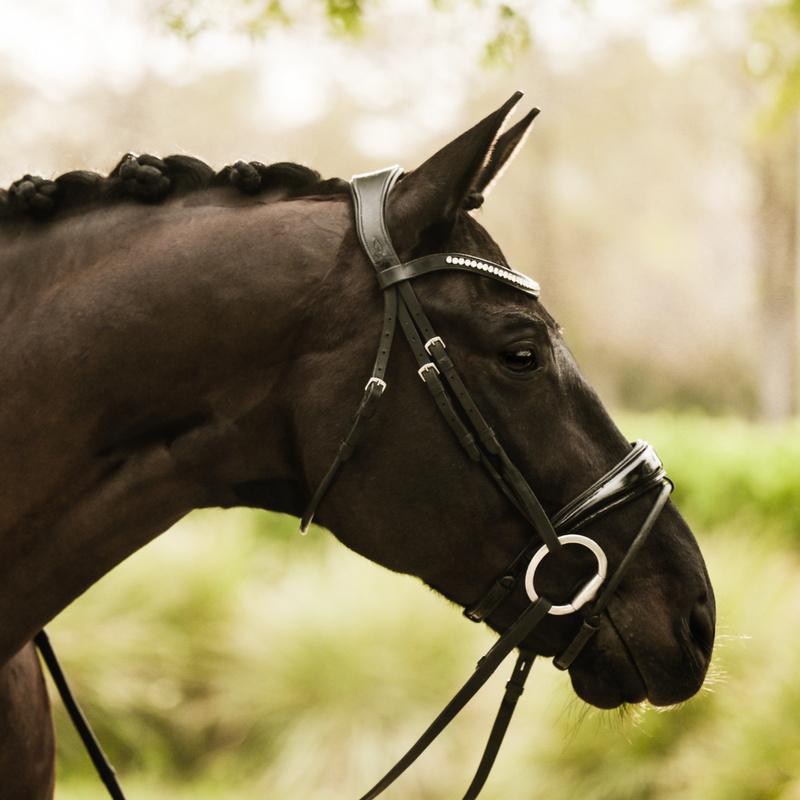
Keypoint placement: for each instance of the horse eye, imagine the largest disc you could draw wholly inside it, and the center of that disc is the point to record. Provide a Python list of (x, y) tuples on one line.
[(522, 360)]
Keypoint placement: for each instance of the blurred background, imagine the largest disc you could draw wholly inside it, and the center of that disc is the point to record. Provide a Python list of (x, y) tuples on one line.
[(657, 204)]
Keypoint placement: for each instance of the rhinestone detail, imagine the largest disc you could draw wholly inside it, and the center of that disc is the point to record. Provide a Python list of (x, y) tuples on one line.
[(508, 275)]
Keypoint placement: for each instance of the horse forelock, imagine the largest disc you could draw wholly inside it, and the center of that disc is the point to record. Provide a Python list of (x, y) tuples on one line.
[(153, 180)]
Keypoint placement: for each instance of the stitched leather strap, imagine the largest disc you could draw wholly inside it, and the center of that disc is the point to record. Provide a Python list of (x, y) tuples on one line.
[(370, 192), (371, 226), (428, 347), (508, 704), (370, 202), (372, 394), (640, 471)]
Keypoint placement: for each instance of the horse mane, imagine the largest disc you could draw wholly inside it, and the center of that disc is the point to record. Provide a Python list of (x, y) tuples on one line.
[(149, 179)]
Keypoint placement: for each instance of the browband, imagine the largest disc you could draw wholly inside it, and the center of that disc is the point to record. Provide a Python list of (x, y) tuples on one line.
[(441, 261)]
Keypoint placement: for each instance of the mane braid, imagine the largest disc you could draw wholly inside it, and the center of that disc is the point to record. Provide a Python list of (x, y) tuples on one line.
[(149, 179)]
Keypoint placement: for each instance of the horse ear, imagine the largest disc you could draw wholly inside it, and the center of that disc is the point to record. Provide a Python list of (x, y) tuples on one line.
[(433, 193), (503, 152)]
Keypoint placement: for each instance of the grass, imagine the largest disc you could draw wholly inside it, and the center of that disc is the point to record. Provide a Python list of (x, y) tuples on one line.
[(233, 657)]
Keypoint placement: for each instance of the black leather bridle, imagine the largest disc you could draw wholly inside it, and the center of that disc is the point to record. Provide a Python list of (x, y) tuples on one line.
[(639, 472)]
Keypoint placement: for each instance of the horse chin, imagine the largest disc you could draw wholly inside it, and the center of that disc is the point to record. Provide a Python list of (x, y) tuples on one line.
[(608, 688)]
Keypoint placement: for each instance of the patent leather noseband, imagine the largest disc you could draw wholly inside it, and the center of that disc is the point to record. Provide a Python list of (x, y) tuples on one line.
[(639, 472)]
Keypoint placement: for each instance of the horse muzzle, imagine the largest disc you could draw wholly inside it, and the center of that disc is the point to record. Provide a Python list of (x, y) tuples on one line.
[(631, 660)]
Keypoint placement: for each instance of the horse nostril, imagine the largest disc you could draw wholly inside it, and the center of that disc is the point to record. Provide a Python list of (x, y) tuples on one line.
[(701, 627)]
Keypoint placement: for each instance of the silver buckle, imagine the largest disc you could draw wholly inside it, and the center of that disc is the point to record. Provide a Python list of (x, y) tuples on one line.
[(588, 591), (377, 382), (432, 341), (429, 365)]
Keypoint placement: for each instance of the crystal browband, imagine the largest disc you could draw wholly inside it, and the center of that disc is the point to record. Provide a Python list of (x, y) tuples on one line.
[(444, 261)]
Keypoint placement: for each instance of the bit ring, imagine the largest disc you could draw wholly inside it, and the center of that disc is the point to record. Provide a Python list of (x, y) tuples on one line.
[(589, 589)]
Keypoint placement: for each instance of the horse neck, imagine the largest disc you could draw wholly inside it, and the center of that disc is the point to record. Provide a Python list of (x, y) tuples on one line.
[(143, 380)]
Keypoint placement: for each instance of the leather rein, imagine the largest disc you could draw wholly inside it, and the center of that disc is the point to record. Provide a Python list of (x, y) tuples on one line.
[(639, 472)]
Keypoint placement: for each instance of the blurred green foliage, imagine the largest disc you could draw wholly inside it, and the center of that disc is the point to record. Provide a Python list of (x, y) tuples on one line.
[(773, 55), (234, 657), (507, 39), (727, 470)]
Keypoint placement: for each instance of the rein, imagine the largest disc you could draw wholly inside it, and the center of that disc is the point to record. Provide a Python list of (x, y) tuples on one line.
[(639, 472)]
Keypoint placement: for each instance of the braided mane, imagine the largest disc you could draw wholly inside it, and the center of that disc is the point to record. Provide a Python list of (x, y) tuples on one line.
[(149, 179)]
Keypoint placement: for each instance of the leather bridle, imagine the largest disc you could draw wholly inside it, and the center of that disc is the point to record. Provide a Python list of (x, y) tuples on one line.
[(639, 472)]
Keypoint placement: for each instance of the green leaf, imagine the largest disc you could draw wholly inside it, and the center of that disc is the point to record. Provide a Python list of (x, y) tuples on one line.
[(513, 38)]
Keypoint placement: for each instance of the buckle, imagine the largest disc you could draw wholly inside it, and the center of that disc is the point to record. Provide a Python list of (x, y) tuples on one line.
[(429, 365), (431, 342), (377, 383)]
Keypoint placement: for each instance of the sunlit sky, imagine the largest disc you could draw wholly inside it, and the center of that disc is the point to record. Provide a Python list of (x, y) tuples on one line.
[(60, 48)]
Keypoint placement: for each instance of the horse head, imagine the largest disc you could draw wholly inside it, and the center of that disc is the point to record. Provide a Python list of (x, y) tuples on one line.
[(174, 339), (257, 312), (410, 498)]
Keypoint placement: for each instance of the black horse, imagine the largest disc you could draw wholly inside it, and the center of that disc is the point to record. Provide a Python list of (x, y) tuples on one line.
[(174, 339)]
